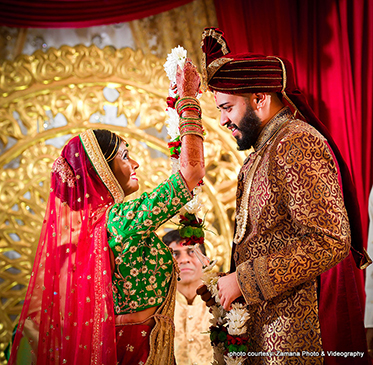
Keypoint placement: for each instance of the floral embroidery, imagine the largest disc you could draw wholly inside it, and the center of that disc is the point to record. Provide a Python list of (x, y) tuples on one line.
[(118, 260), (134, 272), (156, 210), (143, 264), (175, 201), (133, 305), (129, 348), (130, 215), (148, 222)]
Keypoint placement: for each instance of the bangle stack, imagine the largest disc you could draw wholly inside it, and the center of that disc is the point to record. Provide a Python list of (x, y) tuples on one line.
[(189, 125)]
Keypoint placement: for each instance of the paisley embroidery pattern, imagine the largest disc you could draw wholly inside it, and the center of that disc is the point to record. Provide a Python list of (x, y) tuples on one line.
[(297, 227)]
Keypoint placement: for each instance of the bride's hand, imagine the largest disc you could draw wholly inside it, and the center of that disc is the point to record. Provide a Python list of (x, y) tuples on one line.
[(187, 80)]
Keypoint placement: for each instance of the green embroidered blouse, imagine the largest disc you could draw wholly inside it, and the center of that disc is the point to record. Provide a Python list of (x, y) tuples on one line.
[(143, 263)]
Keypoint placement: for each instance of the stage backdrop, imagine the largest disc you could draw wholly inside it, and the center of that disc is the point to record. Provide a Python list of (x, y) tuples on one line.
[(48, 98)]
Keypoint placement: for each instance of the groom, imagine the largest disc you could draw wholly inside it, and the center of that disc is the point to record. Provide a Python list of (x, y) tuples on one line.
[(292, 225)]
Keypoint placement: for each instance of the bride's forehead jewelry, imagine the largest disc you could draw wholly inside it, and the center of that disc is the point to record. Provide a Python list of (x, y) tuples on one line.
[(125, 142)]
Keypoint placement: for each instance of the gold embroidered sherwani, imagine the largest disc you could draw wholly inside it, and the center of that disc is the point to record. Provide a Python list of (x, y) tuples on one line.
[(291, 226), (192, 340)]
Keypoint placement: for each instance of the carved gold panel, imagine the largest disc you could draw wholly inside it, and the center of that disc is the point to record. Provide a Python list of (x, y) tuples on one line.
[(51, 96)]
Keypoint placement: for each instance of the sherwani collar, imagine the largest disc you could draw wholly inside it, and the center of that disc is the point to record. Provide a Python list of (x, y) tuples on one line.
[(272, 127)]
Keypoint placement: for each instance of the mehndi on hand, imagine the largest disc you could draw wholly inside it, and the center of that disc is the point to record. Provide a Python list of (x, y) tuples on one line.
[(188, 80)]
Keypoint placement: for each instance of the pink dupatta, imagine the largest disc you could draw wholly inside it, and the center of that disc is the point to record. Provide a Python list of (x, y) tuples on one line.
[(67, 316)]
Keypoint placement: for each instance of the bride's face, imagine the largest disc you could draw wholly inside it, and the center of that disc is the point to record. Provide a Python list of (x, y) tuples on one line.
[(124, 170)]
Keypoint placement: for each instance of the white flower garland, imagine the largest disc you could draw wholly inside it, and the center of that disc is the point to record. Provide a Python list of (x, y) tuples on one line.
[(172, 123), (177, 57), (235, 321)]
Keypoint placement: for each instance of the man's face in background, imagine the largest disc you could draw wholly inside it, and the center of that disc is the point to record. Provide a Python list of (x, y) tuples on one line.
[(189, 265)]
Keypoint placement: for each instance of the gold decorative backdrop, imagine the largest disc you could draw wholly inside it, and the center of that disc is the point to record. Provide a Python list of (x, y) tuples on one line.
[(56, 94)]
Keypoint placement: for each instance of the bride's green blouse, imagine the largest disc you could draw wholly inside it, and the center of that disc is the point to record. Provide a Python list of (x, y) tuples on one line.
[(143, 263)]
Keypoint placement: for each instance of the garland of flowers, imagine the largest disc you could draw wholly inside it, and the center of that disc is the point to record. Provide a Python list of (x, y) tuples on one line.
[(191, 228), (228, 328)]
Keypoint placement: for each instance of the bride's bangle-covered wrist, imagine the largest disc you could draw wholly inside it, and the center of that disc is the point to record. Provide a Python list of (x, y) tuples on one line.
[(190, 126), (189, 112), (188, 103)]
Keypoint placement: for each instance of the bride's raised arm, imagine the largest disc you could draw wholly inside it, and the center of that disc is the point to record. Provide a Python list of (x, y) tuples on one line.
[(192, 165)]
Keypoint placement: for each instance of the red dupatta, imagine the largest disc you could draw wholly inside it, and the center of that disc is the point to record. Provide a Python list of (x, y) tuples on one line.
[(67, 316)]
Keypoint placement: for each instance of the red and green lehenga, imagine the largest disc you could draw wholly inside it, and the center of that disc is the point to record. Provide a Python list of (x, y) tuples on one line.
[(68, 316)]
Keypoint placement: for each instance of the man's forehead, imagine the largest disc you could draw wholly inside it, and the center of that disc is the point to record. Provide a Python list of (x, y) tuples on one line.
[(223, 98), (179, 246), (218, 95)]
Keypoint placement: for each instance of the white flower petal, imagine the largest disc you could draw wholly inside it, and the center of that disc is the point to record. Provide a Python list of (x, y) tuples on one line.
[(237, 319), (177, 57), (175, 165), (194, 205), (172, 124)]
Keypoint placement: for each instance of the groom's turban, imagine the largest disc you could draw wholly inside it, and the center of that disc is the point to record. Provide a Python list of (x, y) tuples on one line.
[(240, 73)]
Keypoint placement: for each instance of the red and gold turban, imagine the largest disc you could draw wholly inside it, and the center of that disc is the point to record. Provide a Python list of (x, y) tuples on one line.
[(238, 73), (245, 73), (250, 73)]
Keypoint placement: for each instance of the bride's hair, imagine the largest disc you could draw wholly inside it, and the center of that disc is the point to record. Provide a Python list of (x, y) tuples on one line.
[(109, 143)]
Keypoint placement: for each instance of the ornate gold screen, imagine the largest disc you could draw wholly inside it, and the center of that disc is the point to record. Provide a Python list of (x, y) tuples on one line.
[(71, 83)]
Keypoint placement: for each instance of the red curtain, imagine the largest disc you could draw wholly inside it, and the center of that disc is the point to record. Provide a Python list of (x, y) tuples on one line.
[(79, 13), (330, 44)]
